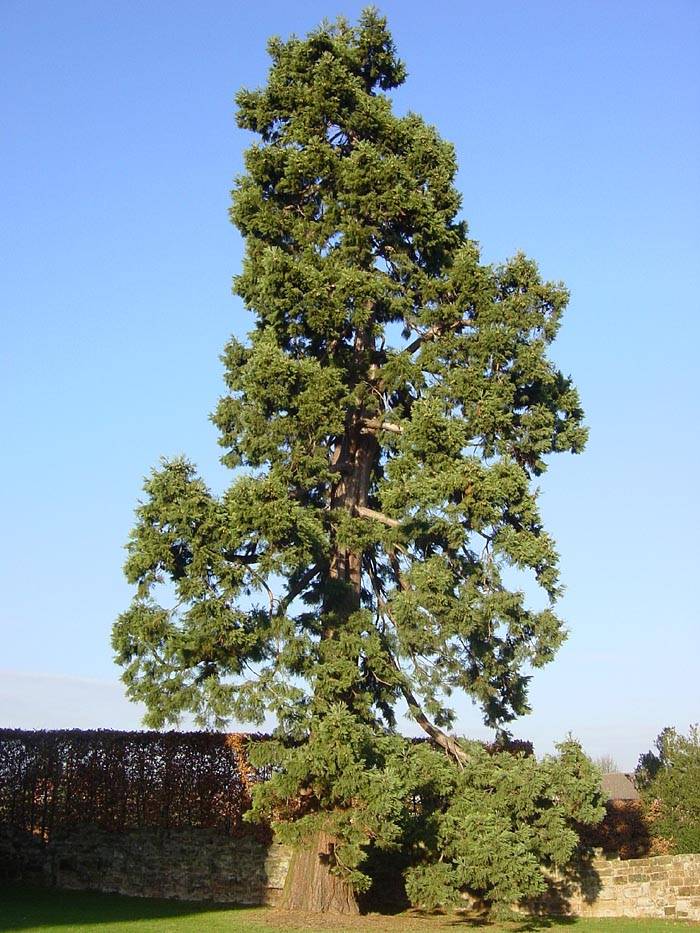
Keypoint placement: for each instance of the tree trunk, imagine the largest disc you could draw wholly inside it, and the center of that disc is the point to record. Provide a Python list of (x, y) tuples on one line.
[(355, 458), (310, 885)]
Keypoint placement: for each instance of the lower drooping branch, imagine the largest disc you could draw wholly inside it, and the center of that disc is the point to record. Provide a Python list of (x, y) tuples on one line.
[(446, 742)]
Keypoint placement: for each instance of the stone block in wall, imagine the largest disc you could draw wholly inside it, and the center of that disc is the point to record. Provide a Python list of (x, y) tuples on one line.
[(193, 864), (651, 887)]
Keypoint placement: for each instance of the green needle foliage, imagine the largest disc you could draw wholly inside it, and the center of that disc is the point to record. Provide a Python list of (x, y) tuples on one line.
[(670, 783), (493, 826), (385, 422)]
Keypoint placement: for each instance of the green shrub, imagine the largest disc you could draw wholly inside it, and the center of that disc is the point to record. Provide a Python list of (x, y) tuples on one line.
[(670, 778)]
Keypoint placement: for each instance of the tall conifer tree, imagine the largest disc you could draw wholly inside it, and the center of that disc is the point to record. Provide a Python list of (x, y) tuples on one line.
[(385, 421)]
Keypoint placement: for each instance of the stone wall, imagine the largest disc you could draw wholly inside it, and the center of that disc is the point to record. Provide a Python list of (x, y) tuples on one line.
[(203, 864), (192, 864), (662, 886)]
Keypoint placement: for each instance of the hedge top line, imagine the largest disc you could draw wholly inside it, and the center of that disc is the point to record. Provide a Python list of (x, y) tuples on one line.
[(196, 738), (140, 735)]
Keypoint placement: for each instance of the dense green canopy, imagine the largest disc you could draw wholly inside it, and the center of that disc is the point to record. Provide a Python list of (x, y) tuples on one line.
[(384, 421), (387, 416), (670, 782)]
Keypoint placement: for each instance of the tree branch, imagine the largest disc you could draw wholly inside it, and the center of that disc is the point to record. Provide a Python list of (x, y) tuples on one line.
[(433, 332), (416, 344), (446, 742), (297, 590), (396, 567), (252, 558), (377, 516), (370, 425)]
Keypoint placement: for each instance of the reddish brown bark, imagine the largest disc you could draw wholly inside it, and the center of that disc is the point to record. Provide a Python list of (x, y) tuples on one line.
[(310, 884), (355, 459)]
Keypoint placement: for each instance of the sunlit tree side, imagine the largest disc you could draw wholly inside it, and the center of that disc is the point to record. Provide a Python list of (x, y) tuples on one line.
[(385, 421)]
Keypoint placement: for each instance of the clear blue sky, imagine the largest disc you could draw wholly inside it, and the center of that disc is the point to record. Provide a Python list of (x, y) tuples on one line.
[(576, 128)]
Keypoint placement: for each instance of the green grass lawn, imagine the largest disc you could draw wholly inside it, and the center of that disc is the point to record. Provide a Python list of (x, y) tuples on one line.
[(23, 908)]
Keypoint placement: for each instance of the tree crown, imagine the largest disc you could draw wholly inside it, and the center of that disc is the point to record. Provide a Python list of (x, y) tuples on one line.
[(385, 421)]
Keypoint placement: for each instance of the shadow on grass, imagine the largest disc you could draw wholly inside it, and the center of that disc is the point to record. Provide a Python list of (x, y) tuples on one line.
[(387, 897), (23, 907), (531, 924), (516, 925)]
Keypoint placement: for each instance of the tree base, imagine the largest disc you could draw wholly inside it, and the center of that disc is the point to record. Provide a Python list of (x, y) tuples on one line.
[(310, 885)]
